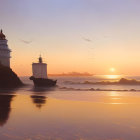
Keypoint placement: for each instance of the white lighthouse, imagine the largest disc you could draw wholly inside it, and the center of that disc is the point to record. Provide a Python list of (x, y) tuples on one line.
[(39, 69), (4, 51)]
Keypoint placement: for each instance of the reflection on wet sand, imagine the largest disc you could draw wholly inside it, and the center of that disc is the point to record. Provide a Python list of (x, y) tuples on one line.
[(39, 101), (71, 116), (42, 89), (5, 108), (38, 97)]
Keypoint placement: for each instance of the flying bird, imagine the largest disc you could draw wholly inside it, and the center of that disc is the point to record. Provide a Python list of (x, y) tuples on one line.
[(26, 42), (87, 39)]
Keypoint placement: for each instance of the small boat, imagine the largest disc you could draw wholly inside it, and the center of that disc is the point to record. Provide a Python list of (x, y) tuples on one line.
[(40, 78)]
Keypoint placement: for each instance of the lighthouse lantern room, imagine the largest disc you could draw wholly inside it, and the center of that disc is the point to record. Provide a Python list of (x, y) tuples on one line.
[(4, 51)]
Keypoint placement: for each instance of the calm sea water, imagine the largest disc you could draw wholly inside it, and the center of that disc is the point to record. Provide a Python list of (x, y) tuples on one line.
[(71, 111), (73, 83)]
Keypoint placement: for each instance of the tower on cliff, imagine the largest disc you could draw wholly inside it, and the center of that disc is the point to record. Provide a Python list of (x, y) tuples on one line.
[(4, 50)]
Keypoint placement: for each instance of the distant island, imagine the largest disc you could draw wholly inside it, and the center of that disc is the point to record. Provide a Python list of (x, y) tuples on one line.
[(73, 74)]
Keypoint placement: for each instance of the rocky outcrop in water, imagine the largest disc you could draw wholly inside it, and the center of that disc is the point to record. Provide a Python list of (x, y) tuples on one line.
[(122, 81)]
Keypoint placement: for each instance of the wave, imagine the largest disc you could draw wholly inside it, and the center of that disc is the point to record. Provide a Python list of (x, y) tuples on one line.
[(98, 89), (122, 81)]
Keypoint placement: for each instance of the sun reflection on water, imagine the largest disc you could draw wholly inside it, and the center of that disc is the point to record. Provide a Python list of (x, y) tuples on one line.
[(113, 76), (114, 93), (115, 98)]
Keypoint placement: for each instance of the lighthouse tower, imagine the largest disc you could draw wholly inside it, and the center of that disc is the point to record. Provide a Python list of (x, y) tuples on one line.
[(4, 51), (39, 69)]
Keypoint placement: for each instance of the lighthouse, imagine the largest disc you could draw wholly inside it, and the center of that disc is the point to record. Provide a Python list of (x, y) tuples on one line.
[(39, 69), (39, 76), (4, 51)]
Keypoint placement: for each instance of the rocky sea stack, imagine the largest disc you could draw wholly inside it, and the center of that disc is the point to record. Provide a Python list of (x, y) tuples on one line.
[(9, 79)]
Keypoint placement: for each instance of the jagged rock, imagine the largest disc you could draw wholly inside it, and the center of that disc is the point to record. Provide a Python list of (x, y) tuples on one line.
[(9, 79)]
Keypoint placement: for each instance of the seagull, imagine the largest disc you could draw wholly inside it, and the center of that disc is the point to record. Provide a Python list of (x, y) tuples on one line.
[(87, 39), (26, 42)]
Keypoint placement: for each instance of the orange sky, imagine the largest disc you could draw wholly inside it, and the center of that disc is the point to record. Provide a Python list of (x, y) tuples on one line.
[(81, 36)]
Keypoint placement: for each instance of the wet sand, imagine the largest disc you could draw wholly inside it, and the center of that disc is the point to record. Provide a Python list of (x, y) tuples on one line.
[(70, 115)]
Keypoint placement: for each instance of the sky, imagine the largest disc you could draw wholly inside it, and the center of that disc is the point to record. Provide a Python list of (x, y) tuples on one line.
[(73, 35)]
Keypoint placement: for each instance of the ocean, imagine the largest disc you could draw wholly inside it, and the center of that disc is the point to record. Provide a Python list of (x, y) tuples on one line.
[(76, 109), (81, 83)]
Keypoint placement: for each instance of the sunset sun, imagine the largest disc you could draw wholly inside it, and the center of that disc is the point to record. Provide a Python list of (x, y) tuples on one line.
[(112, 69)]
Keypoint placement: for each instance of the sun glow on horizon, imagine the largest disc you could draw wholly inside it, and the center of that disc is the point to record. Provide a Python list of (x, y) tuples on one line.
[(113, 76)]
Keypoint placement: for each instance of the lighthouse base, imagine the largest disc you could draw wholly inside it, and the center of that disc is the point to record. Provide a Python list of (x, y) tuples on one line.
[(41, 82), (9, 79)]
